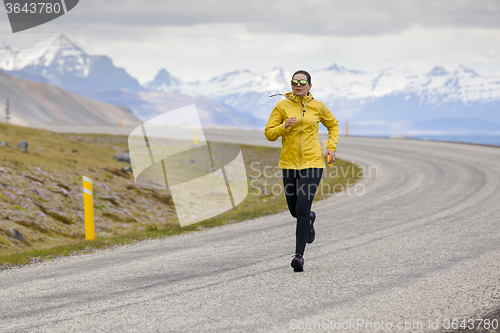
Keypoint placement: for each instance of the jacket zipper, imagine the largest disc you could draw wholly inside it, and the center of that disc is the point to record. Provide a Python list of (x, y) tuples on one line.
[(300, 134)]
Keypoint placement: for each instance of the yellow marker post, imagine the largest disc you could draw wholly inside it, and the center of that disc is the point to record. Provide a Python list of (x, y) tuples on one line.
[(195, 137), (88, 204), (346, 128), (121, 122)]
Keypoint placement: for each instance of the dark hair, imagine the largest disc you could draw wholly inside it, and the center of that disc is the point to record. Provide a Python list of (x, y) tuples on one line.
[(305, 73)]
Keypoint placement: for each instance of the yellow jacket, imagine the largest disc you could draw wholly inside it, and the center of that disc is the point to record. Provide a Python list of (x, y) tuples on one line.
[(301, 148)]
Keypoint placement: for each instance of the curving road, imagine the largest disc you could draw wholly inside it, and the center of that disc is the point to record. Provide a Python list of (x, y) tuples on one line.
[(420, 242)]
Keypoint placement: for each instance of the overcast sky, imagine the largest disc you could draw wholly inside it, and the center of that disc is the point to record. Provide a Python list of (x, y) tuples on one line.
[(202, 38)]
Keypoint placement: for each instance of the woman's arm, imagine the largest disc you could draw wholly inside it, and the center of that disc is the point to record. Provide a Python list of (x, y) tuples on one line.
[(332, 124), (275, 126)]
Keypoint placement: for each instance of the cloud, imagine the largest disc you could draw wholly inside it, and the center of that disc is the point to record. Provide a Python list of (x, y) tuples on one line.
[(199, 39), (311, 17)]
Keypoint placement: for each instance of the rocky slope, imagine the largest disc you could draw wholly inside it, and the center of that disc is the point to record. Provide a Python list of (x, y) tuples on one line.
[(41, 198)]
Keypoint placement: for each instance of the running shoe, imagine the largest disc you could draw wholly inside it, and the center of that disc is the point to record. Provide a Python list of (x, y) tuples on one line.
[(298, 263), (312, 233)]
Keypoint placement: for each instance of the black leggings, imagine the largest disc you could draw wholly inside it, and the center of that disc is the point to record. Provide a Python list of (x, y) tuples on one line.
[(300, 189)]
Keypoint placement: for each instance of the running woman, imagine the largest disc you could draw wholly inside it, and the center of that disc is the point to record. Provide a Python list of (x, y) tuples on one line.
[(296, 119)]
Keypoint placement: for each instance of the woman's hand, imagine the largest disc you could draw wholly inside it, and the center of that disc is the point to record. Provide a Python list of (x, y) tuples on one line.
[(290, 122), (330, 156)]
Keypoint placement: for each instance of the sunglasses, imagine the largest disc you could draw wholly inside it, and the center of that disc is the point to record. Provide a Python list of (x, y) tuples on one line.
[(301, 82)]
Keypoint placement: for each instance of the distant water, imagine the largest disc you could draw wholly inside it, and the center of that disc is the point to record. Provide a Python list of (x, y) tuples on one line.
[(493, 140)]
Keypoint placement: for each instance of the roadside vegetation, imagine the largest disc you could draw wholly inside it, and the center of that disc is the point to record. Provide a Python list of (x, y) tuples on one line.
[(41, 200)]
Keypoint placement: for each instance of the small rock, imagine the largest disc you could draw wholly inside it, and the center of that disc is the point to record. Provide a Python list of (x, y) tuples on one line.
[(34, 178), (118, 172), (38, 170), (3, 143), (67, 188), (23, 145), (122, 157), (113, 200), (75, 151), (61, 191), (60, 216), (105, 186), (16, 234), (127, 169)]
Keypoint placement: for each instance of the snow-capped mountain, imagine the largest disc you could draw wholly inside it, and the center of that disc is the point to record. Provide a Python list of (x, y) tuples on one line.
[(398, 95), (6, 56), (243, 91), (394, 100), (391, 101), (461, 85), (59, 61), (339, 85), (165, 82)]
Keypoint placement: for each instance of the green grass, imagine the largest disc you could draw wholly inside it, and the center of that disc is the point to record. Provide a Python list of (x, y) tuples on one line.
[(3, 240), (260, 201), (83, 246)]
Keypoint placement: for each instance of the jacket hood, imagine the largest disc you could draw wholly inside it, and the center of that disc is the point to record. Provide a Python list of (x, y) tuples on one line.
[(297, 99)]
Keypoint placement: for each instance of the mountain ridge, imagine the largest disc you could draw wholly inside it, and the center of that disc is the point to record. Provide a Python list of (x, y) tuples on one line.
[(391, 97), (61, 62)]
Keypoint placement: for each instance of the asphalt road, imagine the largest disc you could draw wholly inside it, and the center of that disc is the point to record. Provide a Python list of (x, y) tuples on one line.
[(418, 243)]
